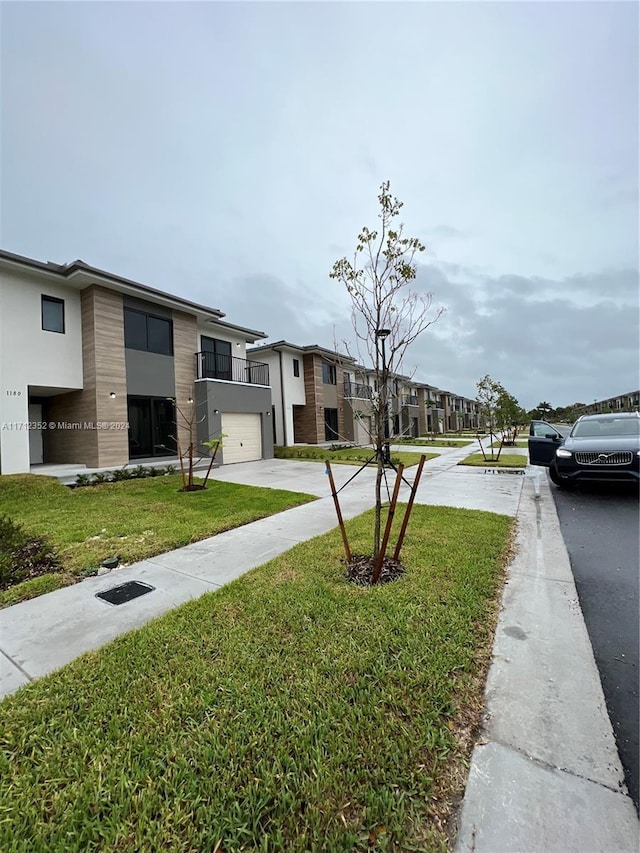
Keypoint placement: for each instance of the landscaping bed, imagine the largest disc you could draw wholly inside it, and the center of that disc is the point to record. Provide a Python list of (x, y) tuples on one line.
[(507, 460), (432, 442), (289, 711), (344, 456), (134, 519)]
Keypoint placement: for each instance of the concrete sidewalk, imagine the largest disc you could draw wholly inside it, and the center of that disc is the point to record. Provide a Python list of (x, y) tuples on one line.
[(545, 776)]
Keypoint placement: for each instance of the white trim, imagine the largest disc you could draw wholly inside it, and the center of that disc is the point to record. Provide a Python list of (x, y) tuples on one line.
[(232, 383)]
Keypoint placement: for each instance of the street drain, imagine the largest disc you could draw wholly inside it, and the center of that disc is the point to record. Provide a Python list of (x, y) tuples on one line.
[(125, 592)]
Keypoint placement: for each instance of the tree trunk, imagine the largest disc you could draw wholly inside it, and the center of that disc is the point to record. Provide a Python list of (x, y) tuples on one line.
[(377, 525)]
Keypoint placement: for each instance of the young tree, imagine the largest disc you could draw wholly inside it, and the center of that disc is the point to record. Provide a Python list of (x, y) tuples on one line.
[(489, 392), (387, 316)]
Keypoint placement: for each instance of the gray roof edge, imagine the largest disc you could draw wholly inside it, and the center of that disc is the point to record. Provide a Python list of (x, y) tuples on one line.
[(68, 270), (308, 348)]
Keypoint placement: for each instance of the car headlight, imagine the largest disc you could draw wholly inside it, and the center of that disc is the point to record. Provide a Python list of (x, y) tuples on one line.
[(564, 454)]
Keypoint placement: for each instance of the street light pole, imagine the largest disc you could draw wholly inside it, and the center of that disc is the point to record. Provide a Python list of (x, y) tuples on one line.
[(383, 334)]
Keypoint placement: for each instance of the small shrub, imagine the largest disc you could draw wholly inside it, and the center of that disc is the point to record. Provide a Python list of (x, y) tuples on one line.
[(83, 480), (121, 474), (100, 477), (156, 472), (140, 471), (170, 469)]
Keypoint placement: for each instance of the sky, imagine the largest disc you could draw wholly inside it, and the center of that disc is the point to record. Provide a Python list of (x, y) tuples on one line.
[(229, 153)]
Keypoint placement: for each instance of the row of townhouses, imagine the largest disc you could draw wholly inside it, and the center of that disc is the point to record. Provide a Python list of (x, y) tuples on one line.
[(97, 370), (629, 402)]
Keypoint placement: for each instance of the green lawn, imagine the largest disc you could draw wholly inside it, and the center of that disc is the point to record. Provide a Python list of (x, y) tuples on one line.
[(432, 442), (289, 711), (134, 518), (507, 460), (345, 456), (520, 442)]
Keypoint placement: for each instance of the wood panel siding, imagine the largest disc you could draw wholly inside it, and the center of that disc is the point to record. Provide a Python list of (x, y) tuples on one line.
[(185, 346), (104, 373)]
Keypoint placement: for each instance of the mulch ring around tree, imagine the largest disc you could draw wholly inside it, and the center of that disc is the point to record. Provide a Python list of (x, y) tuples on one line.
[(360, 569)]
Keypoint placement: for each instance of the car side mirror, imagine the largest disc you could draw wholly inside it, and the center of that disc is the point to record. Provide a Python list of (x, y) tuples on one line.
[(553, 435)]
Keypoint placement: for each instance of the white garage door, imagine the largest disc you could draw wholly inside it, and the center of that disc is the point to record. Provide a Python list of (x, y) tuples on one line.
[(363, 427), (243, 442)]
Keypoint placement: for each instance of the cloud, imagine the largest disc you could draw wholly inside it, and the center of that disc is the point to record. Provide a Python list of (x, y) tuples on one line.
[(447, 232)]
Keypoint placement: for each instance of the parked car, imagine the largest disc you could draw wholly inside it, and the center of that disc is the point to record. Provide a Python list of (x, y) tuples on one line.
[(599, 448)]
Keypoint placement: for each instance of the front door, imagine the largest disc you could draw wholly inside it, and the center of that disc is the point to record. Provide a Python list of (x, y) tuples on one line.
[(330, 424), (35, 434)]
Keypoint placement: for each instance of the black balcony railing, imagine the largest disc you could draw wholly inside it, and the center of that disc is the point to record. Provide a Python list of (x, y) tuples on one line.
[(211, 365), (355, 389), (409, 400)]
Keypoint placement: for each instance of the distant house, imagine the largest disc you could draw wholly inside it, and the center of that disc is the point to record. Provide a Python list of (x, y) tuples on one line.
[(96, 369), (308, 388), (320, 395)]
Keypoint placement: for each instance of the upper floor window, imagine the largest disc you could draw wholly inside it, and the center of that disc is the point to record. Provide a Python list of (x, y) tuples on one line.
[(147, 332), (328, 373), (217, 358), (296, 367), (53, 314)]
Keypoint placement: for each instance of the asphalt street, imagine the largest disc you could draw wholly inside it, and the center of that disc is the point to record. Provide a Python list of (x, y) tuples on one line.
[(601, 528)]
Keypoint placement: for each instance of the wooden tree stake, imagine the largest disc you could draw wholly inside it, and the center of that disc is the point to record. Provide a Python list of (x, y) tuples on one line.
[(405, 520), (387, 531), (334, 494)]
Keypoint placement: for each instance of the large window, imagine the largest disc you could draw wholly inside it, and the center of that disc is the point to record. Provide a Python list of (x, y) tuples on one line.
[(53, 314), (147, 332), (152, 427), (328, 373), (216, 358)]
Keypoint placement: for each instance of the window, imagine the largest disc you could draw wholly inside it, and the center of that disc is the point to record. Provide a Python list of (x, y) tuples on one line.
[(328, 373), (216, 359), (296, 367), (53, 314), (148, 333)]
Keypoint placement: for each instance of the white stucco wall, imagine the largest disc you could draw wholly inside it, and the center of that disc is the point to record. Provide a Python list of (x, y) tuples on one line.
[(238, 344), (290, 387), (30, 356)]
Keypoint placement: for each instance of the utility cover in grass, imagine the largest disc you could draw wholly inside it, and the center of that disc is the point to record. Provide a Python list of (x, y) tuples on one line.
[(360, 569)]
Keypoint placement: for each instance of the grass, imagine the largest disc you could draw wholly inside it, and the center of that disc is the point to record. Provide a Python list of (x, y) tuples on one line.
[(519, 443), (288, 711), (432, 442), (507, 460), (134, 518), (34, 587), (345, 456)]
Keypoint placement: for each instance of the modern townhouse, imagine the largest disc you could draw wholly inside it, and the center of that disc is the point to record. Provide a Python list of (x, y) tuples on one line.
[(359, 387), (97, 370), (430, 411), (459, 412), (629, 402), (308, 392), (404, 406)]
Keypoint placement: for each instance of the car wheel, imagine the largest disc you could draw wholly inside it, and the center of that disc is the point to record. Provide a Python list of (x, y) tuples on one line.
[(560, 482)]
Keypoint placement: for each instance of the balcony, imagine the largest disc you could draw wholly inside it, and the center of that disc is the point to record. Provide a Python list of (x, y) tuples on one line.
[(355, 389), (409, 400), (211, 365)]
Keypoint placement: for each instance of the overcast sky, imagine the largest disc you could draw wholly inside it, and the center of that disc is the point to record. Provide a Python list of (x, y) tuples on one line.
[(230, 152)]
